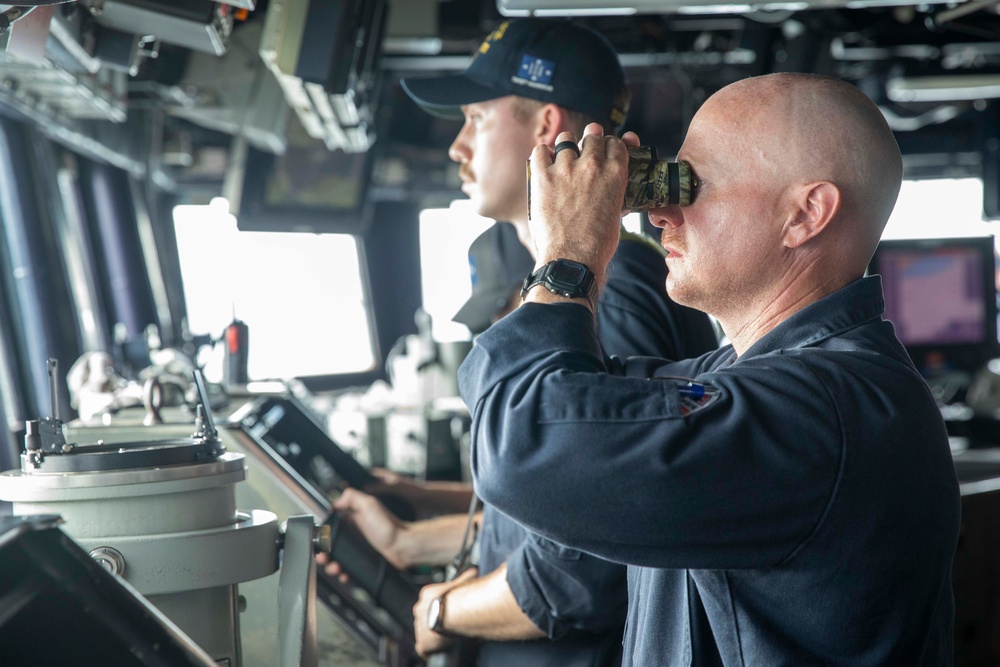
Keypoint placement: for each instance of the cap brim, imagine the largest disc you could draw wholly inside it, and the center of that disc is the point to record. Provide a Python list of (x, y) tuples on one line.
[(444, 96), (477, 313)]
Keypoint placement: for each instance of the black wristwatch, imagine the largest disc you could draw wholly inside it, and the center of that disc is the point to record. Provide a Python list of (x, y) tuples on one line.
[(565, 278)]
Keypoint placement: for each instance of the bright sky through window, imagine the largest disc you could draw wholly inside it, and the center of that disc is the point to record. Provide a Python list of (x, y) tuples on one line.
[(300, 295), (939, 209)]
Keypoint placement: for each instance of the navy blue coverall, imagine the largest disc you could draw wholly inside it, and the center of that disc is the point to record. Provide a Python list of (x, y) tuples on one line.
[(579, 600), (805, 490)]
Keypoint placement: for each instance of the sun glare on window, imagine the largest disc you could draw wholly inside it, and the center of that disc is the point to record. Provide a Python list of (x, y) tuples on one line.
[(301, 295)]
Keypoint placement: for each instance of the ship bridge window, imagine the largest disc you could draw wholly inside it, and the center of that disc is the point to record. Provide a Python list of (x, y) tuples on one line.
[(301, 295), (445, 237), (937, 208)]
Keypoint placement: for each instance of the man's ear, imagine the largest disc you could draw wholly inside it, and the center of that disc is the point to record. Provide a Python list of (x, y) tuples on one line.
[(816, 204), (550, 120)]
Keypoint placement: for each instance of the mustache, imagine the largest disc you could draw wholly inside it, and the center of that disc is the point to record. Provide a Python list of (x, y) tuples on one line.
[(668, 238)]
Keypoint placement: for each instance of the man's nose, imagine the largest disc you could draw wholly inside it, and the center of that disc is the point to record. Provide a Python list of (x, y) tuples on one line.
[(666, 216), (459, 150)]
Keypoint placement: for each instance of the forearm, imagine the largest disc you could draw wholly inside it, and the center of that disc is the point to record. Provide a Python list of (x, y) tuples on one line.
[(426, 498), (433, 541), (438, 497), (485, 608)]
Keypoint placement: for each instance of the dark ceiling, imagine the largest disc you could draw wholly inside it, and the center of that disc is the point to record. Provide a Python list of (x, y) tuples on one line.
[(674, 62), (934, 69)]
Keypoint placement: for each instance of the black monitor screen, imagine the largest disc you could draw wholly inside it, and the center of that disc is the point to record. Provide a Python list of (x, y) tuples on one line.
[(940, 295), (307, 189)]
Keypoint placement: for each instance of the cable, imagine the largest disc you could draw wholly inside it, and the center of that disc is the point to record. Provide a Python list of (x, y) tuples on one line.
[(463, 558)]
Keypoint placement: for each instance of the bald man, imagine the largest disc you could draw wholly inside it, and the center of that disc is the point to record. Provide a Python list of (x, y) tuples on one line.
[(797, 483)]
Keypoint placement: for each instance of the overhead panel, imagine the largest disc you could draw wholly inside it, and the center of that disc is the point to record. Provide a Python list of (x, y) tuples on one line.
[(68, 67), (324, 54), (235, 94), (46, 72), (196, 24)]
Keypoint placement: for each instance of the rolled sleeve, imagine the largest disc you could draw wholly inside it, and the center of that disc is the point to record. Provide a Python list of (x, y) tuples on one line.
[(563, 590)]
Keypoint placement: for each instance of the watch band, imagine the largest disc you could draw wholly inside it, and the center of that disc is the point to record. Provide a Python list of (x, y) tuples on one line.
[(564, 277)]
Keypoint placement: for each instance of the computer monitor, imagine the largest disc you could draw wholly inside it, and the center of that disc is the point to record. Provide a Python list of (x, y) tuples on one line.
[(940, 294), (307, 189)]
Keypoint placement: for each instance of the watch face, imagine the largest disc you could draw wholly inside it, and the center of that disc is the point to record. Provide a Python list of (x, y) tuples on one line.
[(566, 273), (434, 614)]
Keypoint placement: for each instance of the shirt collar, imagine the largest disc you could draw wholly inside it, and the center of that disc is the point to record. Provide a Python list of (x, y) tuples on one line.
[(858, 302)]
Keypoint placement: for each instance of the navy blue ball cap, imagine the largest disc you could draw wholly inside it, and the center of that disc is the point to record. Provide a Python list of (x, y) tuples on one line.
[(498, 264), (549, 60)]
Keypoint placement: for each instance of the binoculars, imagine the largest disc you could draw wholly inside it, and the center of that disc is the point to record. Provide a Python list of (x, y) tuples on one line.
[(654, 183)]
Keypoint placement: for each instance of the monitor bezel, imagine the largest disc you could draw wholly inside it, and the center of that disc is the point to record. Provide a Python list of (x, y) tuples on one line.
[(256, 213)]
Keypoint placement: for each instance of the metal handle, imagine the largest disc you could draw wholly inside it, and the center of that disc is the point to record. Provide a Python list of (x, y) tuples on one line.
[(297, 595)]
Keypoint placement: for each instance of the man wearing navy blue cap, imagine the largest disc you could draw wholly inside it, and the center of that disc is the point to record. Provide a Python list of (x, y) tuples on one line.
[(530, 80), (551, 61)]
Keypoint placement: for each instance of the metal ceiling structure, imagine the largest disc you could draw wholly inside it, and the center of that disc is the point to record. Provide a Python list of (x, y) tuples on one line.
[(187, 77)]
